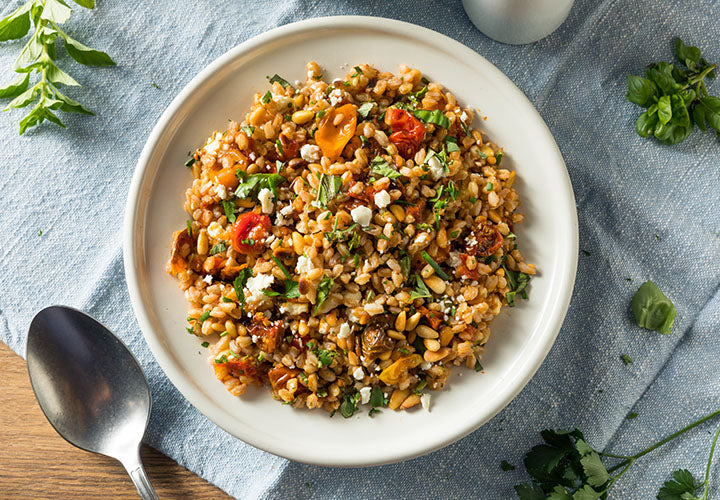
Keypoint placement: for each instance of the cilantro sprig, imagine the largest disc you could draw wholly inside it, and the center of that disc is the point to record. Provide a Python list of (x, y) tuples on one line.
[(675, 96), (39, 56), (566, 467)]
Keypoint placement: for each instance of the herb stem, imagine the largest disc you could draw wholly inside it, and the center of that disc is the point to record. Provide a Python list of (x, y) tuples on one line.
[(709, 463), (628, 463), (700, 77), (676, 434)]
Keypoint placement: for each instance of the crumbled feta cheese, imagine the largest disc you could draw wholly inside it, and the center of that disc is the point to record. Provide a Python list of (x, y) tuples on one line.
[(454, 259), (436, 169), (365, 395), (252, 156), (254, 287), (287, 210), (425, 401), (293, 308), (304, 265), (310, 153), (255, 339), (265, 197), (382, 199), (359, 374), (344, 331), (361, 215), (221, 191), (423, 238), (335, 97), (214, 229), (425, 366), (208, 279), (463, 117), (461, 298), (213, 147)]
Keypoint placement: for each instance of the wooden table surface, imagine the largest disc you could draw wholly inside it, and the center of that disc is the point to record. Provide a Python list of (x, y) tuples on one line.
[(35, 462)]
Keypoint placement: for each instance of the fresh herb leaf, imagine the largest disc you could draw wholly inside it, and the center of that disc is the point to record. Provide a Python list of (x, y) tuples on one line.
[(38, 57), (376, 397), (382, 168), (478, 366), (250, 185), (405, 265), (280, 80), (229, 209), (267, 97), (682, 487), (281, 266), (436, 117), (245, 274), (204, 316), (421, 290), (506, 466), (626, 359), (248, 129), (652, 309), (323, 291), (325, 357), (365, 109), (330, 186), (218, 248), (435, 266), (517, 282), (349, 404), (451, 144), (631, 415)]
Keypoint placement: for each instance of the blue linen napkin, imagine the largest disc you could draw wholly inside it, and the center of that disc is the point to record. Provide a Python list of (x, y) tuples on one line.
[(646, 211)]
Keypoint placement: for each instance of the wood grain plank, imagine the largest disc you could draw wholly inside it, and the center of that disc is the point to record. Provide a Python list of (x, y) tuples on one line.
[(35, 462)]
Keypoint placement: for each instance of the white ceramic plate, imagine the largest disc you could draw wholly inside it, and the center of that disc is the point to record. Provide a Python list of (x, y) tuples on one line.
[(521, 337)]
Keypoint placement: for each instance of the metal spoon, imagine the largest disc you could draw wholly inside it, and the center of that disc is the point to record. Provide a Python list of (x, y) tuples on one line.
[(90, 387)]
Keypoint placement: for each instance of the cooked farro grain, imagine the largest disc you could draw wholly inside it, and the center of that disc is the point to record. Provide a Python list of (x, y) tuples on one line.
[(349, 242)]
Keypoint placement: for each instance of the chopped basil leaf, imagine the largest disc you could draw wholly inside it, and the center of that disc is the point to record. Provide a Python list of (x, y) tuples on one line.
[(348, 407), (376, 397), (498, 158), (205, 344), (225, 299), (451, 144), (405, 265), (320, 114), (329, 188), (421, 291), (251, 184), (218, 248), (229, 208), (382, 168), (323, 291), (281, 266), (189, 228), (280, 80), (358, 72), (267, 97), (249, 130), (436, 117), (478, 366), (204, 316), (365, 109), (518, 282), (435, 266), (189, 163), (245, 274)]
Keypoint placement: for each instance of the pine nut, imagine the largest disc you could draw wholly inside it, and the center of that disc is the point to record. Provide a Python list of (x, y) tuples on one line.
[(426, 332), (202, 243), (413, 321), (400, 321), (432, 345), (434, 356), (397, 397), (436, 284), (302, 116)]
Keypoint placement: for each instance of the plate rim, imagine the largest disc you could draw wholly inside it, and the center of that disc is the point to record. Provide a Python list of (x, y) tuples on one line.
[(133, 228)]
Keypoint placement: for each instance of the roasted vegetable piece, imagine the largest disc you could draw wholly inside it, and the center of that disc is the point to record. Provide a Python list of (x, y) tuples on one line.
[(408, 131), (332, 137), (487, 240), (394, 373), (268, 332), (374, 338), (249, 231), (181, 245)]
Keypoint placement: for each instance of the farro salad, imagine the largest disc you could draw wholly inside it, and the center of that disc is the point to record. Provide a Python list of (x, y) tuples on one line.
[(349, 242)]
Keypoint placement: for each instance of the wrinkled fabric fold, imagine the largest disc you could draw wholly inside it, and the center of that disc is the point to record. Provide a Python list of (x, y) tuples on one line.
[(646, 211)]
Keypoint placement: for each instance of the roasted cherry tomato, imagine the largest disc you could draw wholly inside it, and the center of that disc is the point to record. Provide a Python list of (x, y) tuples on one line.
[(268, 333), (241, 368), (281, 375), (249, 231), (332, 138), (487, 240), (408, 131)]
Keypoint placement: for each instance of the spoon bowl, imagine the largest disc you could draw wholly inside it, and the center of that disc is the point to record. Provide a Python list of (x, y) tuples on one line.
[(90, 387)]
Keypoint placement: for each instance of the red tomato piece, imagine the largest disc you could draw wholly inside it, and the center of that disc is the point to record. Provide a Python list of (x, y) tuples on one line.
[(241, 368), (487, 240), (249, 231), (408, 131), (269, 333)]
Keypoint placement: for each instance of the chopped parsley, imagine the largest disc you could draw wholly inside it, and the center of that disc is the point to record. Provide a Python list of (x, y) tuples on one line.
[(323, 291), (245, 274), (478, 366), (205, 344), (451, 144), (249, 130), (267, 97), (250, 185), (218, 248), (421, 290), (518, 282), (189, 228), (325, 357)]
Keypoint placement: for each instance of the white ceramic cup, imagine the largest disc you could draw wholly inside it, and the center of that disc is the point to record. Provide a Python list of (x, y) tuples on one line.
[(517, 21)]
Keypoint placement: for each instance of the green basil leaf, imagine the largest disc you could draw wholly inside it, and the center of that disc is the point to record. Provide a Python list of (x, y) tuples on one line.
[(17, 24), (365, 109), (329, 188), (30, 53), (25, 98), (88, 4), (382, 168), (664, 109), (16, 87), (229, 209), (56, 75), (56, 11), (277, 78), (239, 283), (645, 124), (641, 91), (436, 117), (699, 116), (712, 111), (251, 184), (71, 106), (680, 115), (686, 53), (451, 144), (323, 291), (662, 75), (85, 55)]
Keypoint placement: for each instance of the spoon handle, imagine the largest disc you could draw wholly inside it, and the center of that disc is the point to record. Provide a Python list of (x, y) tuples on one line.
[(140, 478)]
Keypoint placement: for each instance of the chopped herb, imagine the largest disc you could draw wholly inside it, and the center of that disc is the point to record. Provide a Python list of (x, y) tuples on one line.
[(421, 291), (222, 359), (280, 80), (281, 266), (364, 140), (325, 357), (631, 415), (472, 199), (435, 266), (189, 228), (436, 117), (260, 357), (267, 97), (478, 366), (358, 72), (292, 290), (303, 377), (356, 260), (498, 158), (229, 209), (377, 400), (279, 146), (418, 96), (190, 330), (454, 234), (40, 233), (155, 85), (218, 248), (405, 264), (382, 168), (419, 345), (204, 316), (248, 241), (404, 350), (323, 291), (320, 114), (489, 186), (250, 185), (506, 466), (451, 144), (365, 109), (249, 130), (223, 333), (329, 188), (652, 309), (511, 236), (190, 161), (626, 359), (585, 252), (347, 84), (225, 299), (205, 344), (245, 274), (517, 282), (348, 407), (322, 392), (418, 388)]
